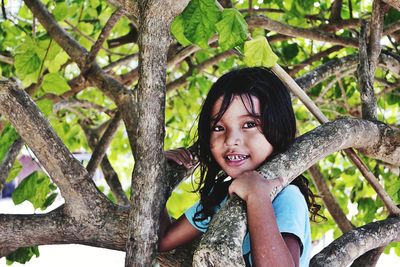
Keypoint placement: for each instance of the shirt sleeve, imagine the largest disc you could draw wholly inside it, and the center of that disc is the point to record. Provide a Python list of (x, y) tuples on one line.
[(201, 225), (291, 212)]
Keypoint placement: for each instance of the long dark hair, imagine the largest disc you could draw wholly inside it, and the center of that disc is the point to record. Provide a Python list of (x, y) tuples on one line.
[(277, 122)]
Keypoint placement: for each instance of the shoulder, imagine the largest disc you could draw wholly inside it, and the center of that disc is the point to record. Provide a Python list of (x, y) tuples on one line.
[(290, 193), (290, 202)]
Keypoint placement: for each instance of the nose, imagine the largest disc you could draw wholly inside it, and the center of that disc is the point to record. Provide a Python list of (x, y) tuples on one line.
[(233, 138)]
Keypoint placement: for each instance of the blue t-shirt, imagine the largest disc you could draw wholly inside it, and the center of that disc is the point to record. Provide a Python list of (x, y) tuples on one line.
[(291, 212)]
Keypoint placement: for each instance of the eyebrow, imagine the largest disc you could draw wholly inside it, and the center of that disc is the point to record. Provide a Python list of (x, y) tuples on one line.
[(257, 116)]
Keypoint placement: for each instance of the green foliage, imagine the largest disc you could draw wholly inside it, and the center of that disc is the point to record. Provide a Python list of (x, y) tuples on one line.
[(37, 189), (232, 29), (55, 83), (177, 29), (199, 19), (22, 255), (16, 168), (7, 138), (257, 52)]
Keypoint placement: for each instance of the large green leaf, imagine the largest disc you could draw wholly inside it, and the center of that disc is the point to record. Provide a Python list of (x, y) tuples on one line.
[(177, 29), (257, 52), (27, 60), (232, 29), (34, 189), (55, 83), (199, 19)]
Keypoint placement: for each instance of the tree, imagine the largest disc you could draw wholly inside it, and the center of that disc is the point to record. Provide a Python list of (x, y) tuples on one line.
[(86, 65)]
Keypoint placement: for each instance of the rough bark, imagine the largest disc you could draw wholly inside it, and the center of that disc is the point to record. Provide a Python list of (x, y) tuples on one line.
[(323, 140), (348, 247), (70, 176), (366, 73), (148, 180), (393, 3)]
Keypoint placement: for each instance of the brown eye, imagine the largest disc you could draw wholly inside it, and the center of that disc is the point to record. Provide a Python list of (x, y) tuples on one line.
[(249, 124), (217, 128)]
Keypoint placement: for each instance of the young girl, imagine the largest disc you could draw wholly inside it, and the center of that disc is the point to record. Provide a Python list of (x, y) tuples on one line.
[(247, 118)]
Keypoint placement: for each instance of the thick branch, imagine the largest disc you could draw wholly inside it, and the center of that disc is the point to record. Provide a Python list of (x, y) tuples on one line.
[(57, 227), (365, 71), (393, 3), (69, 175), (307, 149), (349, 246), (148, 180)]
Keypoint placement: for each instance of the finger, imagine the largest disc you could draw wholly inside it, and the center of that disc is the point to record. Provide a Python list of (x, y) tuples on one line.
[(174, 156), (186, 154)]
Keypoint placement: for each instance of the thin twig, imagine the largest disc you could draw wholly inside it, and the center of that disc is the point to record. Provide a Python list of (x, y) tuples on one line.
[(9, 160), (329, 200), (102, 145), (105, 32)]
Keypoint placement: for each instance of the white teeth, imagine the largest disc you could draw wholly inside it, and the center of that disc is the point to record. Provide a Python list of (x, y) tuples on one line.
[(236, 157)]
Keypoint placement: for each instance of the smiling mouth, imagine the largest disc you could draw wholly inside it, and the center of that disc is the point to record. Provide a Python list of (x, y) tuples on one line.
[(236, 158)]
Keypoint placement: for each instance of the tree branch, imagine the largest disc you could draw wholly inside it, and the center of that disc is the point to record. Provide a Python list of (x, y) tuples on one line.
[(269, 24), (9, 159), (105, 32), (69, 175), (110, 175), (349, 246), (366, 75), (148, 180), (329, 200), (313, 58), (393, 3), (336, 9), (103, 144)]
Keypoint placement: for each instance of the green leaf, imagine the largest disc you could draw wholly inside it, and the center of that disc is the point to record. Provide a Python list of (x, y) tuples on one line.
[(16, 168), (34, 188), (257, 52), (27, 59), (290, 51), (177, 29), (22, 255), (199, 19), (49, 200), (232, 29), (7, 138), (55, 83), (45, 106), (60, 12)]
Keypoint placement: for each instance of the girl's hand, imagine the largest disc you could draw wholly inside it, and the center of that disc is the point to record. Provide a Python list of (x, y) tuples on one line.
[(181, 156), (251, 183)]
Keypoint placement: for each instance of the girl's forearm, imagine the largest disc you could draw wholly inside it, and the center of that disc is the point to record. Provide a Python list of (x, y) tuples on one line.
[(268, 247)]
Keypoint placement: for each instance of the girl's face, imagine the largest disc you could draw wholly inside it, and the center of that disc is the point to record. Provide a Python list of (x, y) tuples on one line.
[(237, 142)]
